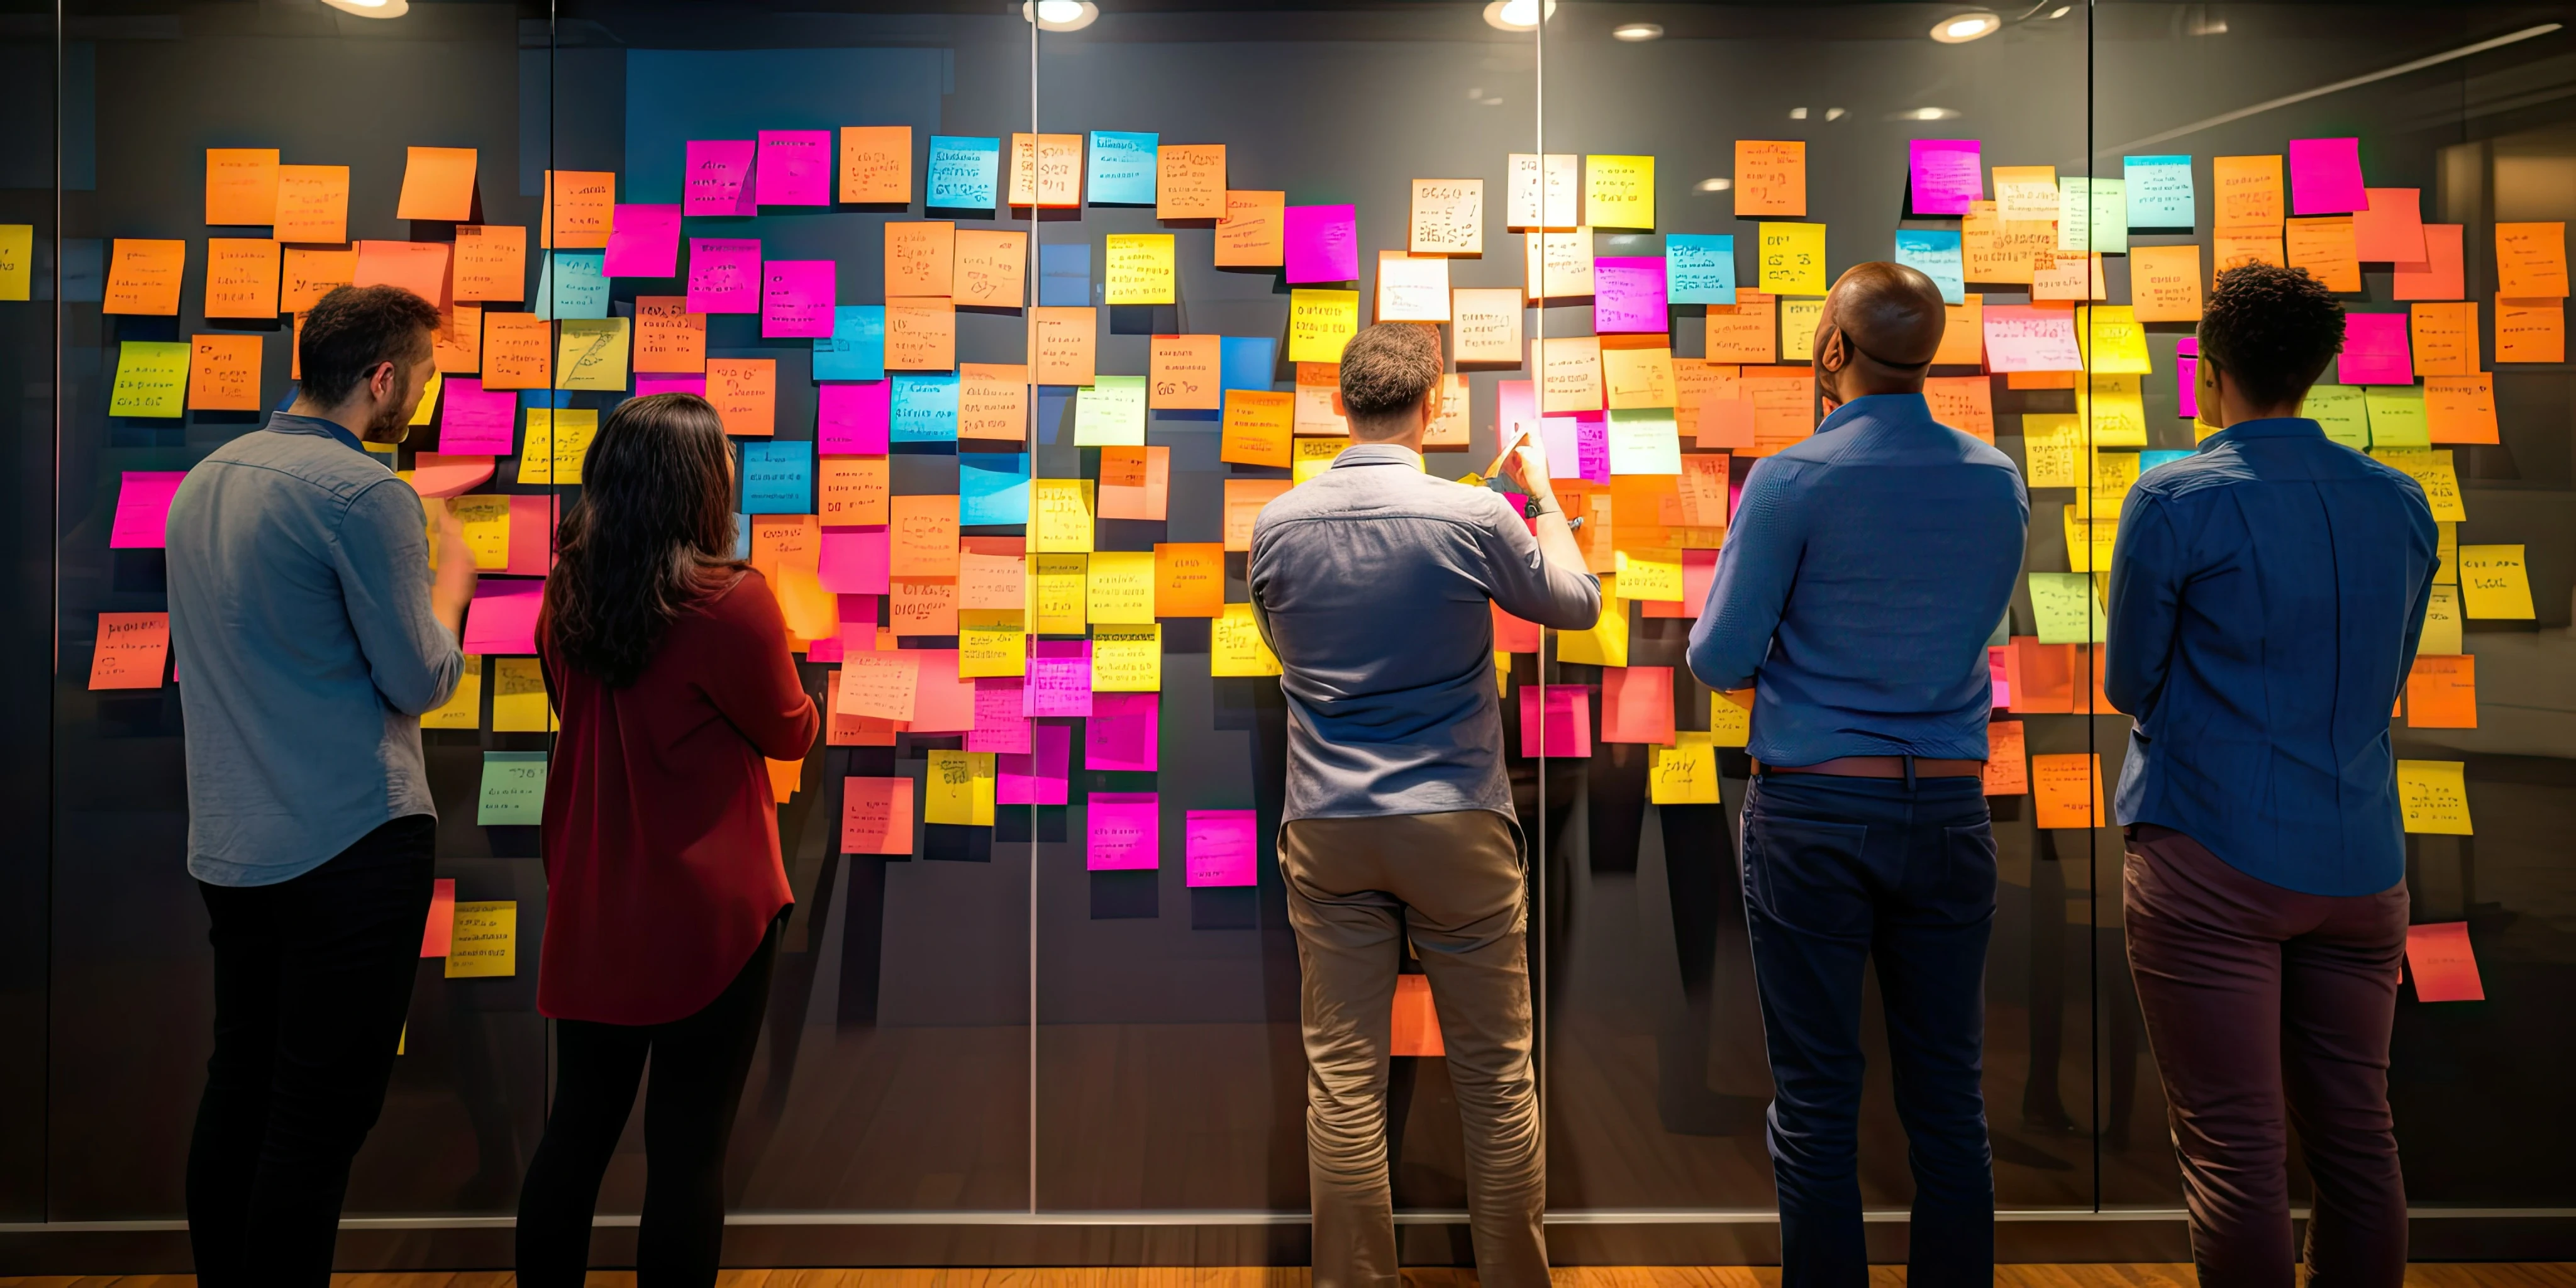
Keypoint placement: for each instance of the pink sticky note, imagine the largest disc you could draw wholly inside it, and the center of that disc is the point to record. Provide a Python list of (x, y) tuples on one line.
[(2392, 229), (1322, 243), (1220, 846), (1125, 832), (724, 275), (2187, 387), (941, 702), (1944, 175), (1039, 777), (795, 168), (1059, 678), (643, 241), (1516, 404), (686, 382), (2029, 337), (796, 297), (1996, 671), (999, 726), (473, 420), (1628, 295), (1699, 573), (503, 617), (2375, 350), (2445, 968), (858, 617), (2441, 276), (854, 561), (438, 475), (2325, 177), (440, 932), (1123, 732), (1578, 447), (853, 419), (719, 177), (1568, 729), (532, 535), (143, 509)]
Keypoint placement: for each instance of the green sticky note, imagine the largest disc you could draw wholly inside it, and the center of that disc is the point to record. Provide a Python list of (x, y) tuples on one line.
[(2397, 416), (2065, 608), (1644, 441), (151, 379), (2340, 409), (1110, 412), (514, 789)]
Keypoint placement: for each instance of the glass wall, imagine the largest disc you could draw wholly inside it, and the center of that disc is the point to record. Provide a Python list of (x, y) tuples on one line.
[(1016, 325)]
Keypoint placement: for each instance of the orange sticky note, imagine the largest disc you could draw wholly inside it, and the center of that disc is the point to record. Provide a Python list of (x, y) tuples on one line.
[(1415, 1028), (876, 813), (876, 167), (878, 684), (241, 186), (2068, 789), (993, 401), (2247, 192), (784, 778), (1254, 230), (1135, 482), (1258, 425), (295, 347), (1964, 403), (2445, 968), (132, 648), (2531, 260), (2442, 692), (2460, 409), (491, 262), (851, 491), (922, 606), (923, 533), (2444, 337), (1963, 332), (1569, 373), (921, 334), (991, 269), (2164, 281), (850, 730), (2530, 330), (241, 277), (785, 540), (2040, 678), (1046, 170), (2442, 275), (143, 277), (2237, 247), (456, 347), (745, 392), (1243, 501), (223, 373), (308, 275), (312, 203), (2325, 247), (1189, 579), (1182, 373), (2007, 763), (1637, 704), (518, 351), (1770, 178), (417, 267), (1745, 331), (578, 205), (1702, 489), (1189, 181), (991, 573), (920, 257), (438, 184), (669, 339), (1063, 340), (2391, 231)]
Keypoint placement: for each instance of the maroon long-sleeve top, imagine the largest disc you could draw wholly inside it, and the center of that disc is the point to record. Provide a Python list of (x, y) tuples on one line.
[(661, 837)]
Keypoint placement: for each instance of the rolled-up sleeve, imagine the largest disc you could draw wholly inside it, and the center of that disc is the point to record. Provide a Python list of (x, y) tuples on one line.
[(1524, 583), (1751, 588), (382, 552)]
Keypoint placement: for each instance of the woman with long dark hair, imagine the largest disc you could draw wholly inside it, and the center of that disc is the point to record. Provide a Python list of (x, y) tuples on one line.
[(669, 662)]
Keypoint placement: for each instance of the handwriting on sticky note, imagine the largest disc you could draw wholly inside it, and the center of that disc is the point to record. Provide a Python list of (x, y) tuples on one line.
[(1447, 218), (132, 651), (1189, 181), (1253, 233), (1770, 178), (2433, 796)]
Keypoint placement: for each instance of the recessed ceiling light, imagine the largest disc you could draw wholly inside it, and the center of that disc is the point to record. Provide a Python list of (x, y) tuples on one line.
[(1713, 185), (1517, 15), (371, 8), (1797, 114), (1833, 114), (1925, 114), (1637, 33), (1959, 29), (1061, 15), (2061, 11)]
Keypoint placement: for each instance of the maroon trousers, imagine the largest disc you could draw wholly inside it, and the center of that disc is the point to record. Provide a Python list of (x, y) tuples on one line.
[(2267, 1008)]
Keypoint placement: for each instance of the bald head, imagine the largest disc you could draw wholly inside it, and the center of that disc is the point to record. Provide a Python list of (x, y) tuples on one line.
[(1881, 326)]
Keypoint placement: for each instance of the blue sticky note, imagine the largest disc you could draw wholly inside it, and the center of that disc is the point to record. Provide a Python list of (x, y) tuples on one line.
[(1936, 252), (965, 172), (2160, 194), (1699, 268), (1064, 275), (1122, 168), (742, 536), (1055, 407), (1246, 363), (992, 488), (856, 348), (545, 398), (2150, 460), (778, 477), (924, 407), (571, 284)]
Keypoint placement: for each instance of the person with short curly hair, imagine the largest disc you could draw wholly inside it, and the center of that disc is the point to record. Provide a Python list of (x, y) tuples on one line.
[(2267, 593)]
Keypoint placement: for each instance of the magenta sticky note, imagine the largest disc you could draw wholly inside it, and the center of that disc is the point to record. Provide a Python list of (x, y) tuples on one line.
[(1568, 727), (2325, 177), (1944, 175), (1125, 831), (503, 617), (476, 421), (724, 275), (2375, 350), (1041, 775), (1592, 446), (643, 241), (143, 509), (1517, 404), (858, 630), (1220, 846), (2186, 386), (648, 383), (1628, 295), (719, 177), (795, 168), (1123, 733), (1059, 678), (853, 419), (2031, 337), (1322, 243), (796, 298), (999, 726), (854, 561)]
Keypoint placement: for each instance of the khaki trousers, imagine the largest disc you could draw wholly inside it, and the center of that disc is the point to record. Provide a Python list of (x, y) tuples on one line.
[(1453, 884)]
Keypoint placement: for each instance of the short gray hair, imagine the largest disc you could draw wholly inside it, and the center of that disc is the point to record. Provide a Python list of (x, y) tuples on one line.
[(1387, 368)]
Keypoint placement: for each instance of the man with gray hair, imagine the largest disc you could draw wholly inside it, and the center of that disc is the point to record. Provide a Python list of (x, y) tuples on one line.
[(1373, 584)]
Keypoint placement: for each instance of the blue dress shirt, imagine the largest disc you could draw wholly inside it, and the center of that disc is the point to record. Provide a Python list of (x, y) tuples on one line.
[(1862, 577), (2266, 596)]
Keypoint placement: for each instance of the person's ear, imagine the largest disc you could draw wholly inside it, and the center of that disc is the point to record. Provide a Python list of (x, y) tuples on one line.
[(384, 381), (1338, 408), (1836, 353), (1430, 408)]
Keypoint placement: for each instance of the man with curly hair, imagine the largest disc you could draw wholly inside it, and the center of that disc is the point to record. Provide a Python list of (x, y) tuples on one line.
[(2266, 596)]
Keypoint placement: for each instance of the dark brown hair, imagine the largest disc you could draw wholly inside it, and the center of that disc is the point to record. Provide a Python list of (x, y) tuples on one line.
[(355, 329), (1386, 370), (2272, 330), (652, 533)]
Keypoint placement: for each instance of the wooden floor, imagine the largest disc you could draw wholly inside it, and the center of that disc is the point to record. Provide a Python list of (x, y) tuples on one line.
[(2447, 1275)]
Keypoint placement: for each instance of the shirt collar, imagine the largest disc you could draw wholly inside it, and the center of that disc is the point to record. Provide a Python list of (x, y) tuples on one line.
[(1378, 454), (2269, 427), (1889, 407), (287, 423)]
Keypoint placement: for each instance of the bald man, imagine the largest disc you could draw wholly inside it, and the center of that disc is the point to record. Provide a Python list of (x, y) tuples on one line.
[(1865, 572)]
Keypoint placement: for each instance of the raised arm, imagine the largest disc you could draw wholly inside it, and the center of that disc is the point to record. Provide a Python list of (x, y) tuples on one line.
[(1538, 576), (382, 552), (754, 681)]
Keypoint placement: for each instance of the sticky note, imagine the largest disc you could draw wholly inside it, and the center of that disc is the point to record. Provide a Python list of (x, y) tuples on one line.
[(921, 335), (991, 268), (2066, 609), (2396, 416), (1110, 412), (1189, 181), (2023, 337), (794, 168), (1546, 192), (1684, 774), (1235, 646), (2433, 796), (1123, 831), (2441, 275), (2442, 622), (1061, 516), (483, 937), (241, 277), (1557, 265), (1220, 847), (2442, 692), (1628, 295), (1320, 322), (965, 173), (2444, 968), (2325, 247), (2111, 340), (724, 275), (241, 185), (1934, 251), (1745, 331), (1644, 441), (131, 652), (854, 419), (223, 375), (1256, 427), (437, 184), (1123, 733), (151, 379), (576, 208), (745, 394), (572, 284), (643, 241), (514, 789), (1943, 176), (2460, 409), (2494, 582), (2164, 283), (2007, 758), (1699, 268), (1412, 288), (312, 204), (2341, 411), (2248, 192), (2160, 193), (2325, 177), (876, 164), (17, 261), (2067, 789), (777, 478), (797, 298), (1793, 259), (1638, 378), (2531, 260), (668, 337), (2092, 216), (1447, 217), (855, 349), (1565, 728), (1135, 482), (1123, 168), (961, 788), (143, 276), (2390, 228), (993, 401), (1770, 178), (993, 488), (717, 178), (2431, 468), (1253, 233), (1138, 269), (1321, 244), (1619, 191), (2530, 330), (1637, 704), (876, 816), (1046, 170)]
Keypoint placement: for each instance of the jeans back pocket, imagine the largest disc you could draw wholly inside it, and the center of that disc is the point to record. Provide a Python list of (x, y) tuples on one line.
[(1806, 873)]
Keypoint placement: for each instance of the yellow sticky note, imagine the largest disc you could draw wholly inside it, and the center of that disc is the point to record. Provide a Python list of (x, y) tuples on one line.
[(1650, 574), (2114, 409), (1619, 191), (1060, 516), (2430, 467), (2112, 340), (1798, 319), (2446, 548), (1312, 456), (2495, 583), (2113, 474), (1139, 269), (1126, 659), (590, 353), (1320, 322), (1730, 718), (1606, 643), (990, 644), (2052, 443), (961, 789), (2434, 795), (1235, 646), (1793, 259), (484, 943), (420, 414), (485, 520), (151, 379), (17, 260), (556, 442), (1059, 593), (1121, 588), (519, 702), (1685, 773), (2441, 637), (463, 708)]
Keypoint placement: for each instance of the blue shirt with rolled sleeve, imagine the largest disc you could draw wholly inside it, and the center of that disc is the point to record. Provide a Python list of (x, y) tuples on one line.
[(2267, 593), (1861, 579)]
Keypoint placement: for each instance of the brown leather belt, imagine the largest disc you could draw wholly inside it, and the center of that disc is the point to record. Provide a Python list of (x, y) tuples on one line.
[(1885, 767)]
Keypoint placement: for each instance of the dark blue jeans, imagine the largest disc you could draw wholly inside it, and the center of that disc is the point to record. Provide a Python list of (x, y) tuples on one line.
[(1837, 872)]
